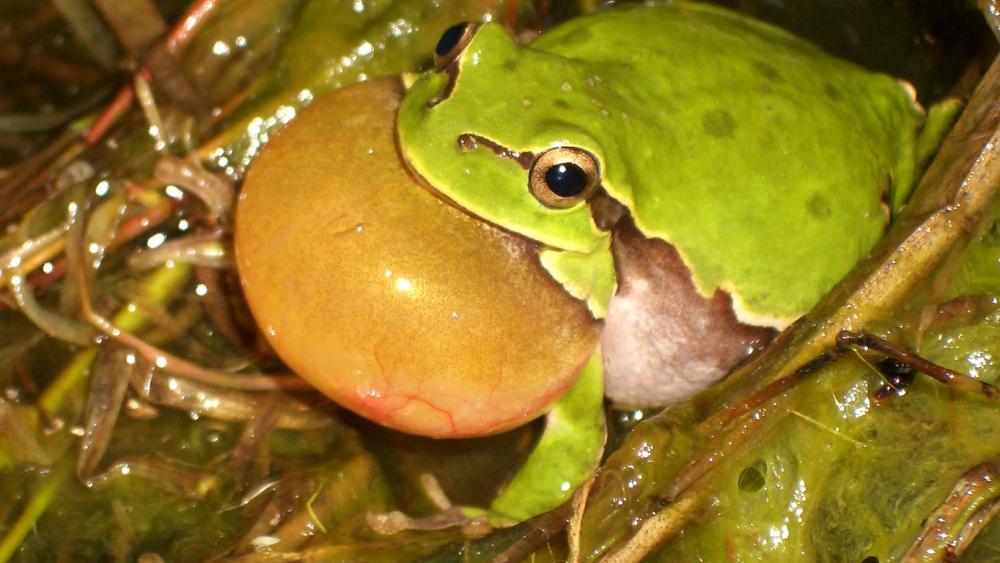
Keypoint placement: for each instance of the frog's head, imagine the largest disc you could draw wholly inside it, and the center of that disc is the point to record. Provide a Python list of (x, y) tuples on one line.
[(503, 131)]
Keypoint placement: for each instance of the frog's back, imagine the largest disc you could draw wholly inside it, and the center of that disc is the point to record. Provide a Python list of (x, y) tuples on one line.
[(751, 151), (657, 30)]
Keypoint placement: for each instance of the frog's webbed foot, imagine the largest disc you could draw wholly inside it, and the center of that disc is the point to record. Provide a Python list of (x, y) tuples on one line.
[(940, 118), (938, 122)]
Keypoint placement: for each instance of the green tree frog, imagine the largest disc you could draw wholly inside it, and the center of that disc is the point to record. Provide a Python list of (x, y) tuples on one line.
[(642, 196), (753, 171)]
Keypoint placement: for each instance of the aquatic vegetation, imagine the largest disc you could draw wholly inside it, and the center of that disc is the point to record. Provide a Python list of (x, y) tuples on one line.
[(139, 397)]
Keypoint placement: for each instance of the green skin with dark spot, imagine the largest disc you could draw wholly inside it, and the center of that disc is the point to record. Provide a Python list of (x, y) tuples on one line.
[(763, 160)]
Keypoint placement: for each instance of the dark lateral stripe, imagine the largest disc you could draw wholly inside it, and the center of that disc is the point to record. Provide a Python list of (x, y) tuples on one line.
[(471, 141)]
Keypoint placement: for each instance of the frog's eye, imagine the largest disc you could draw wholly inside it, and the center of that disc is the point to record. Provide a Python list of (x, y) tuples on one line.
[(452, 42), (563, 176)]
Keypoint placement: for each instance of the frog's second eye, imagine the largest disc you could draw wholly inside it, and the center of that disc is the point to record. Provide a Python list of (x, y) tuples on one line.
[(563, 176), (452, 42)]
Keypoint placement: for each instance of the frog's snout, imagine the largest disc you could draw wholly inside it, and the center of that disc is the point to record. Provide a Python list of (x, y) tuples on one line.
[(399, 306)]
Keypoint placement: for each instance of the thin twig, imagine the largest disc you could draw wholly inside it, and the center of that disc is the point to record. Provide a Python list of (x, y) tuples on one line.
[(947, 376)]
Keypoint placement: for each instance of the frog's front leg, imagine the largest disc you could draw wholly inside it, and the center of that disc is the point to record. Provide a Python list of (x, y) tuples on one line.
[(567, 453)]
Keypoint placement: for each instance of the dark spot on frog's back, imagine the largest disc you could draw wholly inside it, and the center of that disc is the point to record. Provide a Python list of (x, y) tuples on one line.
[(818, 206), (580, 36), (768, 71), (562, 104), (510, 65), (832, 92), (718, 123)]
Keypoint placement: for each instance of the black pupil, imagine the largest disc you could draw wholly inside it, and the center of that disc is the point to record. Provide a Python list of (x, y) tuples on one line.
[(449, 39), (566, 179)]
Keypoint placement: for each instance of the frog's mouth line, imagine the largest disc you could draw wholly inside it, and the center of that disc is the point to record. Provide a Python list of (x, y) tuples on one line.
[(420, 181)]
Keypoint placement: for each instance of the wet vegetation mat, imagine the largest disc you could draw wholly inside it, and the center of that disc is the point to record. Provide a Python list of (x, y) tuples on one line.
[(145, 417)]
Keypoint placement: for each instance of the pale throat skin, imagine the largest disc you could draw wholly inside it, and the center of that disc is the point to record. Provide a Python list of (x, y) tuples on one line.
[(770, 167)]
